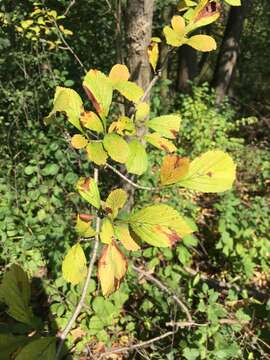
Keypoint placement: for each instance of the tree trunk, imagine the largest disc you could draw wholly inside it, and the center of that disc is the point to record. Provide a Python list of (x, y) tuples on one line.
[(139, 17), (187, 68), (229, 51)]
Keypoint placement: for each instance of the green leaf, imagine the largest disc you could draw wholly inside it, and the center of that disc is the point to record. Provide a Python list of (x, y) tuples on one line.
[(191, 354), (137, 161), (42, 348), (9, 343), (116, 147), (96, 153), (67, 101), (234, 2), (166, 125), (98, 87), (15, 293), (214, 171), (129, 90), (88, 190), (74, 265), (159, 225), (115, 201), (50, 170)]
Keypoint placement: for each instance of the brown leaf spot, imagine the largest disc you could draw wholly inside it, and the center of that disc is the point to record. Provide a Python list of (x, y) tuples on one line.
[(210, 174), (85, 185), (108, 210), (93, 100), (174, 132), (164, 147)]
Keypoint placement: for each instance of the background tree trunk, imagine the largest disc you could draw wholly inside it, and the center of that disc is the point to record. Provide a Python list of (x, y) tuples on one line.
[(229, 51), (187, 67), (139, 16)]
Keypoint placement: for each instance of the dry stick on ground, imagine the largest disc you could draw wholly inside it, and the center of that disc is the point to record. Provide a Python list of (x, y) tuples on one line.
[(85, 287), (165, 289)]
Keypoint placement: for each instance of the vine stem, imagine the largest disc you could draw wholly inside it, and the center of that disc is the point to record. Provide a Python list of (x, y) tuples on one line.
[(80, 304)]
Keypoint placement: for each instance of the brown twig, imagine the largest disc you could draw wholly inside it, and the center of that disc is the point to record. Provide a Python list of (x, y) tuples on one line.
[(85, 287), (183, 324), (165, 289), (137, 186), (69, 7)]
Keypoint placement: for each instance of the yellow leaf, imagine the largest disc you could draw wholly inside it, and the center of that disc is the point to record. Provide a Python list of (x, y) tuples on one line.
[(74, 265), (172, 38), (159, 225), (67, 101), (202, 43), (234, 2), (26, 23), (123, 126), (166, 125), (178, 25), (158, 141), (137, 161), (173, 169), (119, 73), (107, 232), (91, 121), (88, 190), (142, 111), (129, 90), (112, 267), (116, 147), (96, 153), (123, 235), (153, 54), (98, 87), (83, 226), (204, 14), (115, 201), (78, 141), (214, 171)]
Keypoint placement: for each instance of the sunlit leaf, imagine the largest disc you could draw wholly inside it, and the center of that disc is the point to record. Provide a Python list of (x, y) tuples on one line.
[(172, 38), (153, 54), (83, 226), (123, 126), (88, 190), (91, 121), (137, 162), (214, 171), (234, 2), (173, 169), (116, 147), (114, 202), (98, 87), (67, 101), (166, 125), (78, 141), (123, 235), (112, 267), (129, 90), (107, 232), (202, 43), (119, 73), (96, 153), (185, 4), (74, 265), (159, 225), (158, 141), (142, 111), (42, 348), (178, 25), (15, 293)]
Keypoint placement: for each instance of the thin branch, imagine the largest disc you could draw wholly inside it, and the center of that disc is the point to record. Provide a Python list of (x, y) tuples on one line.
[(85, 287), (69, 7), (137, 186), (183, 324), (137, 346), (152, 83), (165, 289)]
